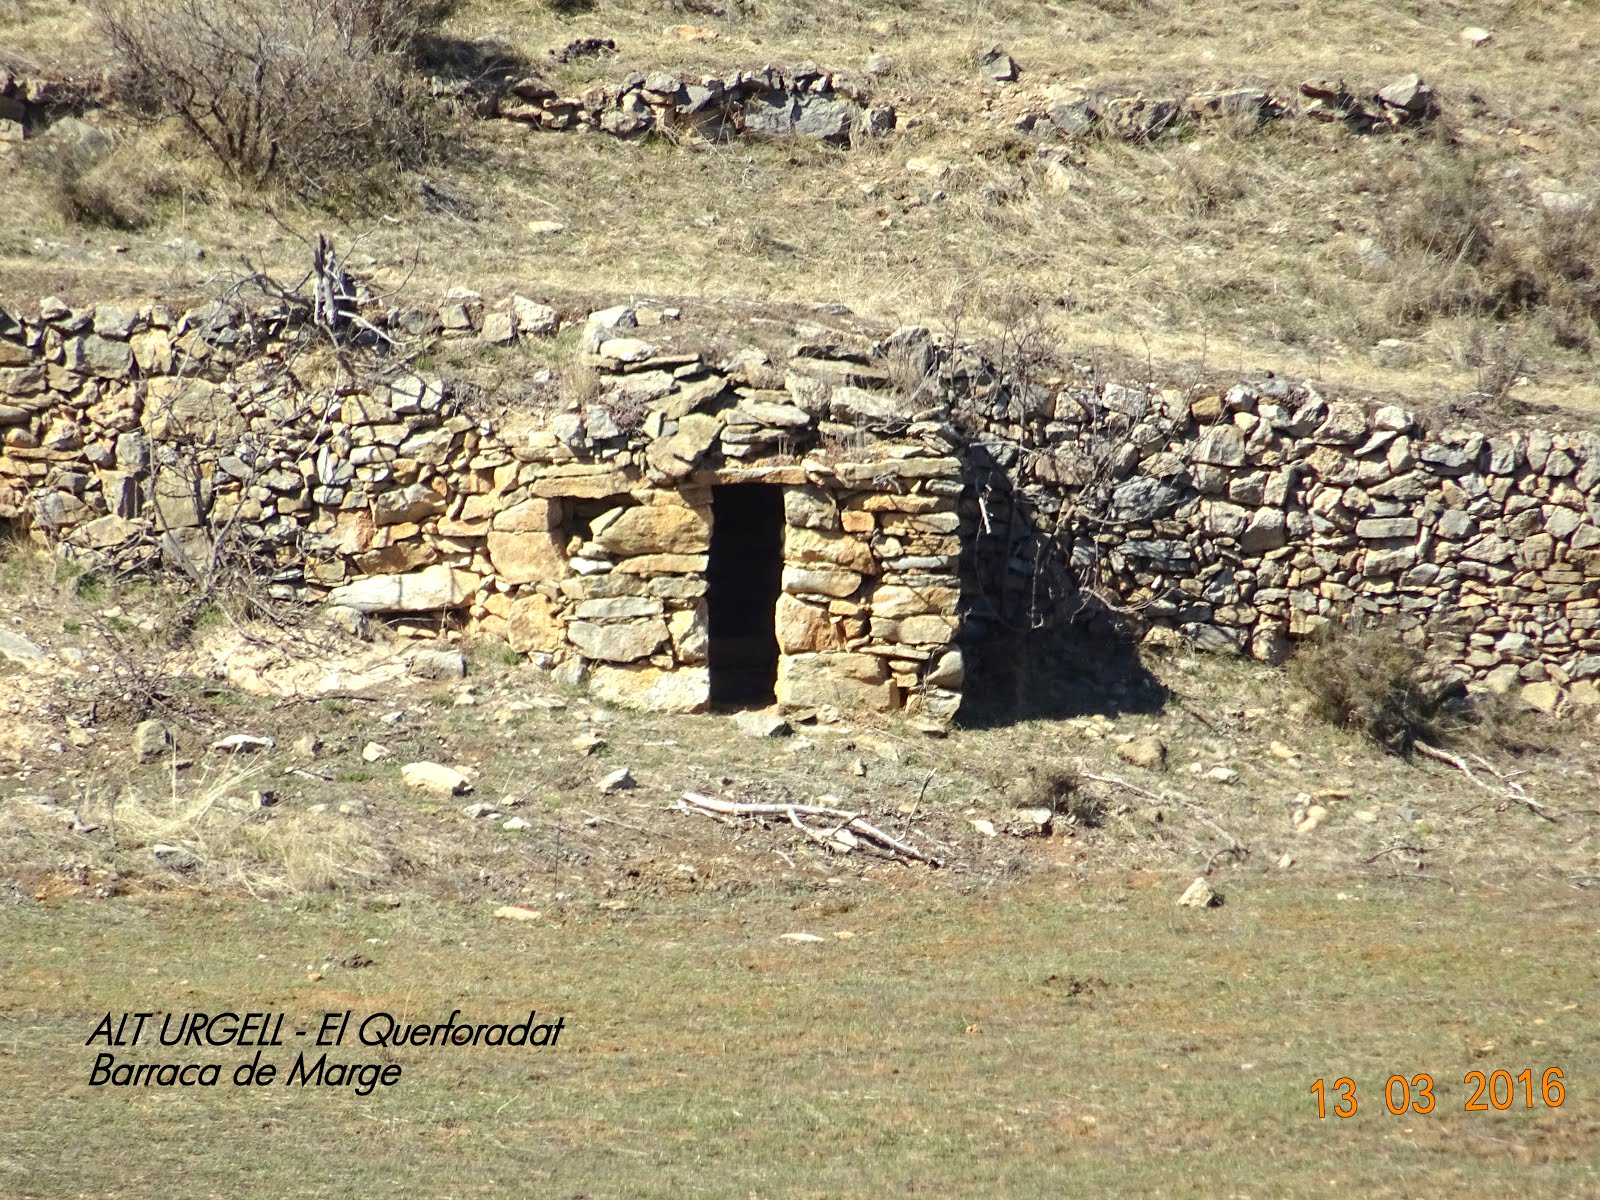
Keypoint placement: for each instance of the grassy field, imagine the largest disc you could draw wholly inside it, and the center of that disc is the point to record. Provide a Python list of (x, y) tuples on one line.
[(1037, 1019), (1046, 1040)]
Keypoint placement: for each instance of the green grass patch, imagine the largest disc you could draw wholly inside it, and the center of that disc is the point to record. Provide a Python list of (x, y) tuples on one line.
[(1046, 1041)]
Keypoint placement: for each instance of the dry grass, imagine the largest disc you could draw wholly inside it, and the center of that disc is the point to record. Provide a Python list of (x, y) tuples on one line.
[(204, 831), (1285, 248), (1038, 1040)]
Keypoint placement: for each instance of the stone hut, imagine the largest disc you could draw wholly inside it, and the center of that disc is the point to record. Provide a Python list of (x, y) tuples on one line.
[(670, 525)]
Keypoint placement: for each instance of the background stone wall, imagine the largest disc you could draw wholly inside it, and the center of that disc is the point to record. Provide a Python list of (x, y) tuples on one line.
[(1242, 519)]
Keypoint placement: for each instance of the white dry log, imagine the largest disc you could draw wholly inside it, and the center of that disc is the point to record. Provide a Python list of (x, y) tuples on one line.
[(793, 812)]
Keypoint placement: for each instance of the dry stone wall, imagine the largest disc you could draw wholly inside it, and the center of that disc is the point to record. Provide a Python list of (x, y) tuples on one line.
[(579, 532), (1245, 519), (928, 492), (802, 100)]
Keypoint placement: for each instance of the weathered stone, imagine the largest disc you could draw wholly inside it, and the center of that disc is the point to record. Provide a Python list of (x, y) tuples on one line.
[(617, 608), (649, 689), (761, 723), (525, 557), (846, 681), (436, 778), (1267, 531), (948, 671), (102, 357), (805, 628), (807, 546), (1221, 446), (618, 643), (437, 664), (151, 741), (826, 583), (1143, 499), (901, 600), (410, 504), (810, 508), (1148, 752), (539, 320), (532, 625), (435, 589), (1543, 696), (655, 529)]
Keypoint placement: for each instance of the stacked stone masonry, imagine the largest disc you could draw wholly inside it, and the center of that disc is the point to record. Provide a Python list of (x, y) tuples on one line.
[(579, 536), (928, 494)]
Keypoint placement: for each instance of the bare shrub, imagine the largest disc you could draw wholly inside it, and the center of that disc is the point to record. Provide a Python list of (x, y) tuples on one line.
[(1370, 681), (302, 91)]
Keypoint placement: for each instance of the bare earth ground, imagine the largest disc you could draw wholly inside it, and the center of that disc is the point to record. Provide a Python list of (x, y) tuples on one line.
[(1037, 1016)]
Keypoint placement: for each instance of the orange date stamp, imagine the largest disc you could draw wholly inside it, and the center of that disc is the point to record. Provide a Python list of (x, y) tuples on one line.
[(1491, 1091)]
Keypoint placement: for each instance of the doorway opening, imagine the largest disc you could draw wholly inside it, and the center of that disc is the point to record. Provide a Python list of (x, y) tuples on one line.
[(743, 579)]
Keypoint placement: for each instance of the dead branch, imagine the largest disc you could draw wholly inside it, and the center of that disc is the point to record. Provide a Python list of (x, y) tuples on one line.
[(1396, 848), (1512, 790), (693, 801)]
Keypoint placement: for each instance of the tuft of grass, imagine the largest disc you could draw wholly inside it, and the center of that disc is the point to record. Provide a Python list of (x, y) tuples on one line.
[(1370, 681)]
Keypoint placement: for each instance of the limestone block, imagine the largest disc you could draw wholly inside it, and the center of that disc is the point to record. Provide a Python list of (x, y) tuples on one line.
[(805, 628), (432, 589), (810, 508), (928, 630), (676, 456), (1267, 531), (404, 505), (178, 503), (654, 529), (1387, 527), (152, 350), (1221, 446), (531, 516), (617, 608), (806, 546), (826, 583), (649, 689), (899, 523), (690, 636), (617, 643), (525, 557), (193, 408), (103, 357), (948, 671), (532, 625), (663, 564), (846, 681), (895, 600), (534, 318), (397, 559)]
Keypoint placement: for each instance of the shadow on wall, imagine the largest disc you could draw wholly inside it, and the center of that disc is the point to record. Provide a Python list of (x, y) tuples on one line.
[(1090, 666), (1037, 644)]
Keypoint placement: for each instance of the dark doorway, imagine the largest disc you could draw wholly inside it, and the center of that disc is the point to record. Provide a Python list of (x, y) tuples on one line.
[(744, 577)]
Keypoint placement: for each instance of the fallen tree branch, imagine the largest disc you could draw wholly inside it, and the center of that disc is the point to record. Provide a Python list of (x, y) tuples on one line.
[(695, 801), (1513, 790)]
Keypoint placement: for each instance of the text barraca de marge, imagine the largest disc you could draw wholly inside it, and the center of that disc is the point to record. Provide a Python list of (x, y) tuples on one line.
[(266, 1029)]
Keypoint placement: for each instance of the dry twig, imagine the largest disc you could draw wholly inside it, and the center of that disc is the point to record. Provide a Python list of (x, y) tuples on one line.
[(848, 823), (1513, 790)]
